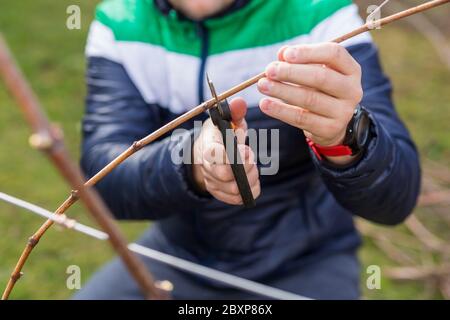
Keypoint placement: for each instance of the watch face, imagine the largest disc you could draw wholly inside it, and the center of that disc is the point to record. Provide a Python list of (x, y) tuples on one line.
[(362, 129)]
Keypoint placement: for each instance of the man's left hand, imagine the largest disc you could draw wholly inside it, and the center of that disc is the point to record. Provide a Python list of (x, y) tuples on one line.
[(316, 88)]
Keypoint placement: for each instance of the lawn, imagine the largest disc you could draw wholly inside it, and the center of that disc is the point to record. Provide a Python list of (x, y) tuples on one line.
[(52, 58)]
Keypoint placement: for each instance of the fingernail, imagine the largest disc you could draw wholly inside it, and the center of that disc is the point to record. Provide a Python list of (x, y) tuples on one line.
[(281, 52), (264, 85), (290, 54), (272, 70), (265, 105)]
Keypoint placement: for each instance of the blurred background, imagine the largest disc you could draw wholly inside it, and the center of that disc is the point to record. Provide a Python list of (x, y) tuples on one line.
[(414, 258)]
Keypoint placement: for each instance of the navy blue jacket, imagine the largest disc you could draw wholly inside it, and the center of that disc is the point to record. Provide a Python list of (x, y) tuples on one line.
[(305, 211)]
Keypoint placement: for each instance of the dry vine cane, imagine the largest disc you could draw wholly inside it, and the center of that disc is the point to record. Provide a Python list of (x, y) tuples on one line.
[(183, 118), (48, 139)]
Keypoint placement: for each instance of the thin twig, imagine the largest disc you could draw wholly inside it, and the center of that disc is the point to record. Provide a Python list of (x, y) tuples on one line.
[(417, 273), (444, 286), (394, 253), (423, 234), (191, 114), (395, 237), (49, 140), (441, 197), (437, 171), (434, 35)]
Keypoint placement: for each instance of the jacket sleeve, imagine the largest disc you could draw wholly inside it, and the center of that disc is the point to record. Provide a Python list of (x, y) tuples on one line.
[(383, 186), (148, 185)]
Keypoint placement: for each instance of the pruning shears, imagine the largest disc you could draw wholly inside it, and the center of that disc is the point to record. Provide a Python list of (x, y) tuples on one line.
[(221, 117)]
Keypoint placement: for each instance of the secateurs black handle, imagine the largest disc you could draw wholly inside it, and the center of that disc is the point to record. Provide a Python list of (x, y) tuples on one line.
[(221, 117)]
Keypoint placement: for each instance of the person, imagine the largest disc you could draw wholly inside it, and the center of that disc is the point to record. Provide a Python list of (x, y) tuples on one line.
[(343, 150)]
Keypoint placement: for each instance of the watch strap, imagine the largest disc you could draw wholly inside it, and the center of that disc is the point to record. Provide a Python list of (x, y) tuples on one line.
[(329, 151)]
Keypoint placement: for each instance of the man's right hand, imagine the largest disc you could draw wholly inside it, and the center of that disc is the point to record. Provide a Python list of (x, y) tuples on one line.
[(211, 168)]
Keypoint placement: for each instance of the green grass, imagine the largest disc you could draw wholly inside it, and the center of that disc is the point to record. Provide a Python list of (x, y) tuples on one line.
[(52, 58)]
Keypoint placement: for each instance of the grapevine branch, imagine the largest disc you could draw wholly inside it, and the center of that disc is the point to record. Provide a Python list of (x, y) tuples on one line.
[(48, 139), (42, 140)]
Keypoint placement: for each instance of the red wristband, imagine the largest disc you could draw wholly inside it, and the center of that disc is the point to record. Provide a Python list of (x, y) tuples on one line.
[(333, 151)]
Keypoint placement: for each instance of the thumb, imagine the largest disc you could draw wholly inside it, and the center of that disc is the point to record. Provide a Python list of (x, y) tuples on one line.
[(238, 108)]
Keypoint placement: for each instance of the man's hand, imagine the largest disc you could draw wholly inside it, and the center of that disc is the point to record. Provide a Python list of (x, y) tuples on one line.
[(211, 168), (316, 88)]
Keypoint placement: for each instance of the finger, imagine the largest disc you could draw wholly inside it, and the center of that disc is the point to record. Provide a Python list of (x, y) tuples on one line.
[(221, 175), (241, 135), (227, 198), (247, 156), (212, 184), (281, 52), (210, 134), (235, 199), (223, 172), (230, 187), (253, 176), (256, 190), (305, 97), (217, 174), (215, 153), (308, 134), (298, 117), (238, 108), (212, 147), (219, 167), (331, 54), (220, 172), (313, 76)]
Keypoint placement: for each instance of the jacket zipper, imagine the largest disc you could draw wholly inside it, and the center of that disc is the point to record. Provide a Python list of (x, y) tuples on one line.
[(204, 38)]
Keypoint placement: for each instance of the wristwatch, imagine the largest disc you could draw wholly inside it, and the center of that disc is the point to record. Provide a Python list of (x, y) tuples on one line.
[(355, 141)]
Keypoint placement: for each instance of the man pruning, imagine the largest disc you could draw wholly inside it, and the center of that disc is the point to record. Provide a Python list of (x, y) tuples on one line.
[(343, 150)]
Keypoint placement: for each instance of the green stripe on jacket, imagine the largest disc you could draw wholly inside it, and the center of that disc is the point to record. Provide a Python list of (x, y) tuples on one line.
[(260, 23)]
